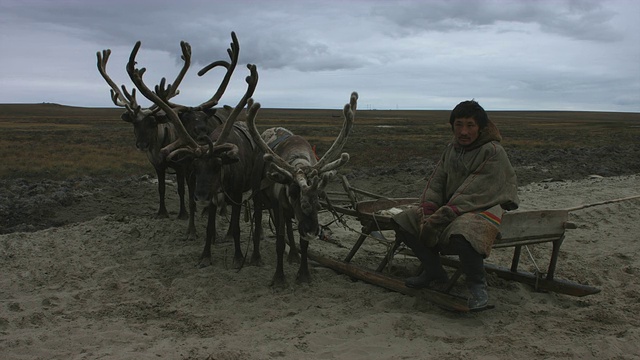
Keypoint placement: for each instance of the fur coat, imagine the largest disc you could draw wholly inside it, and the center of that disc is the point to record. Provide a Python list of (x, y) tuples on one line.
[(466, 195)]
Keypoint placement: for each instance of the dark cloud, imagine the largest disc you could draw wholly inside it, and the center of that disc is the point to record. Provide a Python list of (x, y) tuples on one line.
[(262, 27), (582, 20)]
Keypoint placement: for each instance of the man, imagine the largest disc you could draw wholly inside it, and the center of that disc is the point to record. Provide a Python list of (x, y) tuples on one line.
[(462, 204)]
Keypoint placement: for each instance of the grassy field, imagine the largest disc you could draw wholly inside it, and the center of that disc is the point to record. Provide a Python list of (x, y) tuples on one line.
[(58, 142)]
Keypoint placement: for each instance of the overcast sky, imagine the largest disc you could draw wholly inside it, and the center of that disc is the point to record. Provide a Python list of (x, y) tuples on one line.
[(430, 54)]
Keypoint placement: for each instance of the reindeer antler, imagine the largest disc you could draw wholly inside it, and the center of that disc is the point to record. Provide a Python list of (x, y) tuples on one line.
[(171, 90), (234, 53), (136, 76), (172, 149), (270, 155), (120, 98), (160, 98), (252, 81), (328, 161), (128, 100)]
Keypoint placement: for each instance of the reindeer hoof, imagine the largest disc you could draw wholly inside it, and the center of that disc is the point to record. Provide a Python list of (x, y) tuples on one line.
[(279, 283), (162, 215), (293, 257), (303, 278), (238, 262), (256, 260), (204, 263)]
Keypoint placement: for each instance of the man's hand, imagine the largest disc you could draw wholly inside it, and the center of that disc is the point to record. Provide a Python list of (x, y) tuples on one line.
[(433, 225), (443, 216), (427, 208)]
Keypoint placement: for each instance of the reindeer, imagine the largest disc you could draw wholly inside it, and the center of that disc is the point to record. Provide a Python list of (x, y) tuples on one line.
[(154, 132), (226, 163), (297, 182)]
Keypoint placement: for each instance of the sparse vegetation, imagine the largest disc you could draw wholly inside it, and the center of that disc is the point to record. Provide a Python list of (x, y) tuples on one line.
[(58, 142)]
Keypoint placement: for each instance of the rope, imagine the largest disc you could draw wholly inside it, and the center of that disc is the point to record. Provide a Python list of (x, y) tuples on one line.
[(340, 219), (580, 207), (539, 273), (247, 206)]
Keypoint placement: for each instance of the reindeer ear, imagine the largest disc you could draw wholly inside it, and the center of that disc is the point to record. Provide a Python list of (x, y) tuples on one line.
[(227, 153), (161, 118), (229, 157), (181, 156), (126, 117), (325, 177), (278, 177)]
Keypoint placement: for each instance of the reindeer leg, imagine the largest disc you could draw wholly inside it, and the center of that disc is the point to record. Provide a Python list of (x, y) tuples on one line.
[(180, 176), (256, 258), (279, 280), (191, 228), (294, 254), (303, 272), (205, 258), (162, 210), (234, 227), (229, 236)]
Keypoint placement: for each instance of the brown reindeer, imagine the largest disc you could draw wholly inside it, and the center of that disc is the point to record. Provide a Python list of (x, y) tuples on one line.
[(223, 164), (154, 132), (298, 180)]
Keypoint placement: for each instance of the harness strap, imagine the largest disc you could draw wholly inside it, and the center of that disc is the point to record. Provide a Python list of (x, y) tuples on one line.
[(245, 132), (282, 134)]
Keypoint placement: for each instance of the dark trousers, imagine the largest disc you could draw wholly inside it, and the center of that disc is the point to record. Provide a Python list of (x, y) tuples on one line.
[(471, 262)]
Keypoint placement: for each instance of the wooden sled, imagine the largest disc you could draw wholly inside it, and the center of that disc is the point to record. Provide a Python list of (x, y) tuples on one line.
[(519, 229)]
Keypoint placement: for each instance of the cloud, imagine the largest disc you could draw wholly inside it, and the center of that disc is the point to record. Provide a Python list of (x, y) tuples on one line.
[(582, 20), (397, 54)]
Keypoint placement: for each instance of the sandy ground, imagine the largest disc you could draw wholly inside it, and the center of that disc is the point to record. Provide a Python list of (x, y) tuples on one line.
[(125, 286)]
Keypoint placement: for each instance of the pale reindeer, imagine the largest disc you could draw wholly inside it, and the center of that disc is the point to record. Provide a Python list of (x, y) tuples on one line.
[(298, 180), (225, 164), (153, 131)]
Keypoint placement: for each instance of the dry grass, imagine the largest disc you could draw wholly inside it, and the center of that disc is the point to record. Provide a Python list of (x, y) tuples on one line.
[(53, 141)]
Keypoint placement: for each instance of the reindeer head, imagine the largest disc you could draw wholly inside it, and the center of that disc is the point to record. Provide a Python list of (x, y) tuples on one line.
[(145, 129), (300, 176), (145, 120), (303, 194), (209, 168), (208, 152)]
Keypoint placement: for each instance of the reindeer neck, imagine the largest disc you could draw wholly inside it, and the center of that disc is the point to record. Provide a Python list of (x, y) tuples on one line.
[(165, 136), (297, 151)]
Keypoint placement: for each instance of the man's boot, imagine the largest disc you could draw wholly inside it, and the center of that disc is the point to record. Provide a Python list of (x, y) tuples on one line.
[(427, 278), (479, 299), (430, 259), (472, 264)]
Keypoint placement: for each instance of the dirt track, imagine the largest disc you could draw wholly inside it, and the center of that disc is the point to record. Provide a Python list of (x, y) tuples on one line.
[(124, 286)]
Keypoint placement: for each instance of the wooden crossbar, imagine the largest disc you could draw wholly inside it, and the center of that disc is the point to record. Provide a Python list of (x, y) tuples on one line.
[(528, 226)]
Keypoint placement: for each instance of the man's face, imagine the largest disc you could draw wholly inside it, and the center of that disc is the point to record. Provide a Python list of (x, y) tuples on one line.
[(465, 130)]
